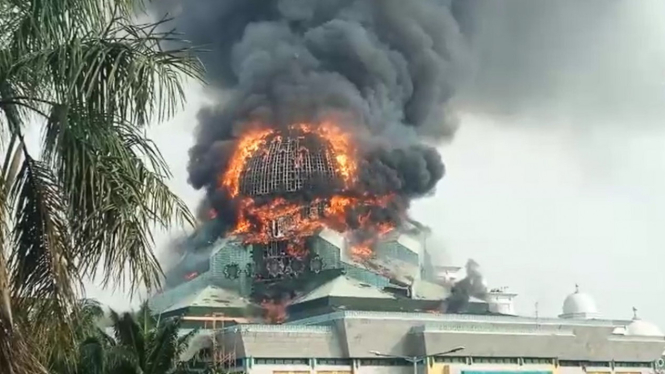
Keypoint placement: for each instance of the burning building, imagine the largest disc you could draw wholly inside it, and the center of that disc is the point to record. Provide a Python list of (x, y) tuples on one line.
[(318, 137), (284, 194)]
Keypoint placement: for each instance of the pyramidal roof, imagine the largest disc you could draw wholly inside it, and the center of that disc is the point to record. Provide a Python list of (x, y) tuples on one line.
[(343, 286), (210, 297)]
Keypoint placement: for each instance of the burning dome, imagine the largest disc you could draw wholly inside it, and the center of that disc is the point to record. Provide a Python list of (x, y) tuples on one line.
[(288, 183), (289, 163), (302, 157)]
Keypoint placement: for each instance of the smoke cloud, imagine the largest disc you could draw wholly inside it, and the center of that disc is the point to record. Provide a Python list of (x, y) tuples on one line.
[(593, 60), (388, 69), (472, 285)]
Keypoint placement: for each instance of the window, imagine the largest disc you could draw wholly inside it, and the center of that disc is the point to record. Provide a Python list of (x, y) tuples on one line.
[(334, 361), (383, 362), (538, 361), (282, 361), (495, 360), (450, 359), (633, 364), (573, 363)]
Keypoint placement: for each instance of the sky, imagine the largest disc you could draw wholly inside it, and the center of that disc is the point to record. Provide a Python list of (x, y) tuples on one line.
[(557, 172)]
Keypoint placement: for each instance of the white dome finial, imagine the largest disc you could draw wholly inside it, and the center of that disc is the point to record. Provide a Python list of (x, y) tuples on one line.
[(577, 288), (635, 314)]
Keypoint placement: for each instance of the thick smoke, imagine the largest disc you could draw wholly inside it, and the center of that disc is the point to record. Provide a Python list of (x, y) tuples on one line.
[(385, 69), (473, 285), (585, 61)]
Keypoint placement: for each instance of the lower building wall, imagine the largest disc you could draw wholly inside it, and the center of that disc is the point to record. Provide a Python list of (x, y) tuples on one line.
[(384, 370), (437, 368), (280, 369), (442, 368), (300, 369)]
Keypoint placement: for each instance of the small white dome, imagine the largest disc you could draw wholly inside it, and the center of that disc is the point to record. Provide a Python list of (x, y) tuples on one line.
[(579, 305), (643, 328), (639, 327)]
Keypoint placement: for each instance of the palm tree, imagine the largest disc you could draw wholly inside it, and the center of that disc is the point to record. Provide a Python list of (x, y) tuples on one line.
[(82, 205), (140, 343)]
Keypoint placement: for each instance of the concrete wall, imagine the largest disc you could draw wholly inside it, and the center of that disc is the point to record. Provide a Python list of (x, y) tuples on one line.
[(297, 369), (438, 368), (384, 370), (445, 368), (280, 369)]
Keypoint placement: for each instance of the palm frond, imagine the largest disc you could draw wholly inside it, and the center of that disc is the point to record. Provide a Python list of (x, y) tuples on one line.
[(121, 70), (99, 190), (41, 263), (163, 347), (16, 356), (121, 360), (38, 23), (145, 318), (114, 181), (92, 356), (184, 342), (128, 335), (43, 276), (87, 317)]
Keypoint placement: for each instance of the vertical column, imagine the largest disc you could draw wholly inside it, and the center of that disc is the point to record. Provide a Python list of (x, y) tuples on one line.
[(355, 366)]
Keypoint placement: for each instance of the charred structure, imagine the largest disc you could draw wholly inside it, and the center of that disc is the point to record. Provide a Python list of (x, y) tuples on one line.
[(290, 164)]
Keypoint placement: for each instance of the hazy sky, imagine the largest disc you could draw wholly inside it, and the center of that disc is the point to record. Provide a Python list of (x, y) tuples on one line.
[(557, 173)]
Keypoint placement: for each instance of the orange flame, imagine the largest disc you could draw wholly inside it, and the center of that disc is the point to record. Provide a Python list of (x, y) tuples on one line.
[(255, 218), (274, 311), (245, 149)]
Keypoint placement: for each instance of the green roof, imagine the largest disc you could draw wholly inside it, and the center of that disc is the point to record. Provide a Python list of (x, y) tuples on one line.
[(344, 286), (211, 296)]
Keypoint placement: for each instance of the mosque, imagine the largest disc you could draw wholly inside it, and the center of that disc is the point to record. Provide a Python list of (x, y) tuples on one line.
[(385, 317)]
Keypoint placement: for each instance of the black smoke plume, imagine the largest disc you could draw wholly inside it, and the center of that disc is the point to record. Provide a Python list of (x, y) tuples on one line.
[(472, 285), (388, 68)]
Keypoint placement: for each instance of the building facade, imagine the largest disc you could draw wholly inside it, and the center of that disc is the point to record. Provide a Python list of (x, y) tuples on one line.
[(344, 342), (346, 311)]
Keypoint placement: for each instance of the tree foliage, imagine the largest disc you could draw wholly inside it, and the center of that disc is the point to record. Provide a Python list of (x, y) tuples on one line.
[(139, 344), (84, 202)]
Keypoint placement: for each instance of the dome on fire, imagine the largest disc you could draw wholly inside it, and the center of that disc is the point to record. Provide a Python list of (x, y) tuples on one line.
[(639, 327), (290, 162), (579, 305)]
